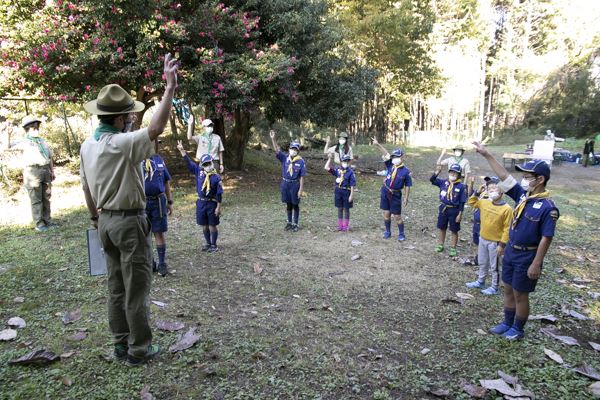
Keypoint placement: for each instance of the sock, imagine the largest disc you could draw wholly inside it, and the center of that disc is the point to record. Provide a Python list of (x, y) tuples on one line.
[(509, 316), (388, 225), (289, 216), (340, 224), (519, 323), (346, 223), (213, 238), (206, 235), (161, 250), (401, 229), (296, 214)]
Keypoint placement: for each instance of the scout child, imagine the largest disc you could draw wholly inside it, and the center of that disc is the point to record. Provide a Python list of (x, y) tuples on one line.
[(208, 204), (343, 194), (341, 149), (397, 177), (530, 235), (208, 143), (159, 203), (293, 171), (453, 196), (456, 158), (477, 216), (495, 222)]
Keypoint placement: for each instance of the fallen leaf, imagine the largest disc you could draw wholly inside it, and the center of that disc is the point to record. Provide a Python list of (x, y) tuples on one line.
[(595, 346), (579, 316), (595, 389), (355, 257), (67, 355), (410, 247), (511, 380), (356, 243), (442, 393), (396, 333), (257, 268), (473, 390), (465, 296), (547, 318), (19, 299), (582, 280), (16, 322), (559, 270), (77, 337), (159, 303), (185, 341), (568, 340), (296, 296), (587, 370), (71, 316), (578, 286), (594, 295), (425, 351), (481, 331), (500, 386), (7, 334), (594, 260), (553, 356), (170, 326), (40, 357), (67, 381), (145, 393), (337, 358)]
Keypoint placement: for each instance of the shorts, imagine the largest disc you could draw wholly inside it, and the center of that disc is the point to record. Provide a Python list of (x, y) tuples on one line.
[(476, 230), (514, 269), (447, 216), (341, 197), (390, 201), (154, 209), (289, 192), (205, 213)]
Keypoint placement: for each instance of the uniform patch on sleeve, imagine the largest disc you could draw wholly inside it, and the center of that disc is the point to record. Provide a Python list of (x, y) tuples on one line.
[(554, 215)]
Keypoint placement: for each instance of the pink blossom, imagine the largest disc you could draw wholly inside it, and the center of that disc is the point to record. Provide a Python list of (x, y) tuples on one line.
[(119, 49), (290, 70), (148, 73), (246, 35), (220, 87), (63, 97), (71, 6), (260, 54), (250, 45), (96, 41), (202, 34), (88, 87)]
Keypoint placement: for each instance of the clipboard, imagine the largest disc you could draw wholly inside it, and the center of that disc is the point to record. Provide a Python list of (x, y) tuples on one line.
[(96, 257)]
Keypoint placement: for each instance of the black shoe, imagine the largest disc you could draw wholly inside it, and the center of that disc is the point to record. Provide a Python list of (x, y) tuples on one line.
[(120, 352), (289, 226), (153, 351), (162, 270), (154, 269), (205, 247), (295, 228), (213, 249)]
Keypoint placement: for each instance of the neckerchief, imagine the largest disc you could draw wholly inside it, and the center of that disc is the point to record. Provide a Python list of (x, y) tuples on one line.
[(290, 169), (394, 172), (40, 145), (451, 189), (206, 183), (104, 129), (208, 137), (521, 206), (342, 172), (149, 169)]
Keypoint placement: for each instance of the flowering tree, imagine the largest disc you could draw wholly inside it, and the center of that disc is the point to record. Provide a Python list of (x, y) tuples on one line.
[(238, 59)]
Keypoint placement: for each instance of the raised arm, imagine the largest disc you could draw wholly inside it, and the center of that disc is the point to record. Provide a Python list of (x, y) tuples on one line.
[(276, 148), (191, 126), (439, 160), (383, 150), (498, 168), (161, 116), (326, 145), (328, 163)]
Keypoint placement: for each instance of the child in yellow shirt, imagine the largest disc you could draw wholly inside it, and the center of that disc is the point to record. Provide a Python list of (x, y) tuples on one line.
[(496, 216)]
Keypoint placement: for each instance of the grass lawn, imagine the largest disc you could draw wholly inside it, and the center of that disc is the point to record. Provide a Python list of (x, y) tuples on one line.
[(313, 324)]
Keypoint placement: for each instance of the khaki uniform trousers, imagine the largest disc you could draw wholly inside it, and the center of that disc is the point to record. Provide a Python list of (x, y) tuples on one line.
[(37, 180)]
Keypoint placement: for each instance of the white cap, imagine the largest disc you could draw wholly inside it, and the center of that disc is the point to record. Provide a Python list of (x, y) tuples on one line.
[(548, 131), (207, 122)]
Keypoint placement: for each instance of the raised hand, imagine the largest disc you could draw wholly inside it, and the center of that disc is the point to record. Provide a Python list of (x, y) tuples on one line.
[(272, 134), (375, 141), (180, 146), (170, 70), (481, 149)]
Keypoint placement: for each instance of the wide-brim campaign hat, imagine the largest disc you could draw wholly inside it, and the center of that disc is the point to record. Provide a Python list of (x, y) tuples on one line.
[(536, 167), (459, 147), (28, 120), (113, 99), (343, 135)]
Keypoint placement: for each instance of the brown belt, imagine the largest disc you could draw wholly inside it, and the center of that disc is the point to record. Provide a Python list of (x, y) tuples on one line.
[(123, 213)]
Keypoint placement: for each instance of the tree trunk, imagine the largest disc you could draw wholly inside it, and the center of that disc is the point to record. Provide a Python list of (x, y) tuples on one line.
[(235, 143), (481, 111)]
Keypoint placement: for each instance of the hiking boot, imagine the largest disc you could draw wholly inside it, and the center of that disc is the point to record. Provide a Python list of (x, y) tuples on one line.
[(401, 237), (295, 227), (475, 285), (213, 249), (490, 291), (514, 334), (439, 248), (205, 247), (162, 270), (289, 226), (452, 252), (387, 234), (120, 351), (500, 329), (153, 351)]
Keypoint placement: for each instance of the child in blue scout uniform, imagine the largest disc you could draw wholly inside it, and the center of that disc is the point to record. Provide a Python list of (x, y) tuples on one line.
[(345, 181), (397, 177), (530, 235), (453, 196), (159, 203), (293, 171), (477, 216), (208, 204)]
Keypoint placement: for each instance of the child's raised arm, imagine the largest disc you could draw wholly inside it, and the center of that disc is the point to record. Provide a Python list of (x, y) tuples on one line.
[(276, 148), (384, 152), (328, 163), (498, 168)]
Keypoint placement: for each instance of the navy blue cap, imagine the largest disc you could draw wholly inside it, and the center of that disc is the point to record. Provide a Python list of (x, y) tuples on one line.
[(536, 167), (346, 157), (295, 145), (491, 179), (455, 168), (397, 153), (205, 159)]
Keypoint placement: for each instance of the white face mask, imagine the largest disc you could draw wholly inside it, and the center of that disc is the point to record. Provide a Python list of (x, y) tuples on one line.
[(342, 141), (494, 195), (208, 168), (344, 165), (33, 133), (526, 184), (458, 153), (396, 160), (208, 130), (293, 152), (452, 178)]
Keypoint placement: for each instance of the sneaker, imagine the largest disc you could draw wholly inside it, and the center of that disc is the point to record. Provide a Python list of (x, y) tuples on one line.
[(41, 228), (490, 291), (154, 269), (153, 351), (120, 351), (387, 234), (162, 270), (205, 247), (288, 227), (439, 248), (500, 329), (401, 237), (452, 252), (295, 228), (514, 334), (213, 249), (475, 285)]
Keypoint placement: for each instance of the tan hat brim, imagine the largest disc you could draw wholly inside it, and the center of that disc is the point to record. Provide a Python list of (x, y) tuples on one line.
[(92, 108)]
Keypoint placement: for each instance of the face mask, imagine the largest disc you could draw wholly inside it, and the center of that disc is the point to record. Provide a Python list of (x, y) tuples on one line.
[(344, 165), (208, 167), (293, 152), (458, 153), (34, 133), (208, 130), (494, 195), (342, 141), (526, 184), (451, 178), (396, 161)]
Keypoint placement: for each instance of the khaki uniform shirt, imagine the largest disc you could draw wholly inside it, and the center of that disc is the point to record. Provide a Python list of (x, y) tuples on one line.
[(32, 156), (464, 164), (203, 141), (336, 155), (111, 169)]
